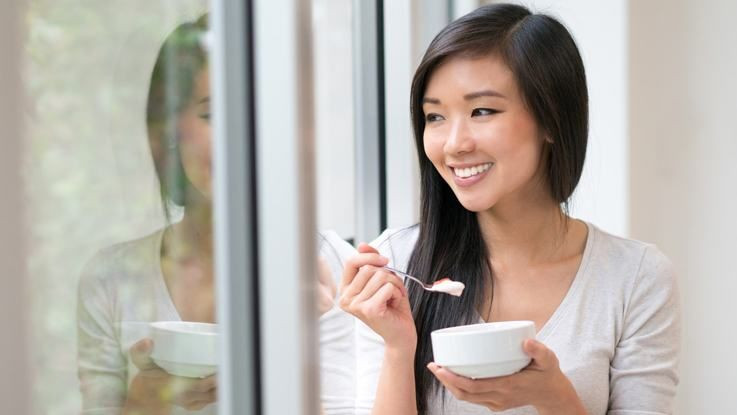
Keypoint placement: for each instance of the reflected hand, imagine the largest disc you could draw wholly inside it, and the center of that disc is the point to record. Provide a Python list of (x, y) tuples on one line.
[(153, 391), (378, 298), (326, 288), (541, 384)]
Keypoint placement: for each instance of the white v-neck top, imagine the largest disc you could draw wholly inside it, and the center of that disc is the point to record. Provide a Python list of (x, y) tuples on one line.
[(616, 332), (121, 291)]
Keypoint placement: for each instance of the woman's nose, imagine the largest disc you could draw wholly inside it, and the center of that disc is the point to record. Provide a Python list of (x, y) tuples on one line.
[(460, 139)]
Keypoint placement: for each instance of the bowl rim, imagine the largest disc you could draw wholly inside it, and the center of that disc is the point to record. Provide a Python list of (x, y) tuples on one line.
[(158, 359), (166, 326), (481, 328)]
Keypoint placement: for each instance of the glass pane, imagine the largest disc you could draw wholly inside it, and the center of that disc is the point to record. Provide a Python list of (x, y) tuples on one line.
[(332, 37), (334, 134), (118, 172)]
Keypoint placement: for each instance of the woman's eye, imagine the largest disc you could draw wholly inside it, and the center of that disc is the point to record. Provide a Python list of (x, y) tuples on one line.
[(433, 117), (483, 111), (205, 116)]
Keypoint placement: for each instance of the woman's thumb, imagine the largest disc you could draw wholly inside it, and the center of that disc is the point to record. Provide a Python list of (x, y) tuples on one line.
[(539, 353), (141, 354), (365, 248)]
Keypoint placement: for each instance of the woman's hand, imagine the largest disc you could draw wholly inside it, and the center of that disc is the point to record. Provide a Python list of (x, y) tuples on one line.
[(153, 391), (541, 384), (379, 299), (326, 286)]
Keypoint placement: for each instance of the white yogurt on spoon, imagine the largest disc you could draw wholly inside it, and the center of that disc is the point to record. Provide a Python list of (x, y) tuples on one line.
[(443, 285), (448, 286)]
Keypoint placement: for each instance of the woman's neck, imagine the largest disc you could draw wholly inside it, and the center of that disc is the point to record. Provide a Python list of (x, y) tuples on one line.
[(524, 235), (191, 238)]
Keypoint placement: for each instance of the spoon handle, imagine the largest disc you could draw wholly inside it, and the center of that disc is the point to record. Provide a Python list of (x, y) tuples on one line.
[(404, 274)]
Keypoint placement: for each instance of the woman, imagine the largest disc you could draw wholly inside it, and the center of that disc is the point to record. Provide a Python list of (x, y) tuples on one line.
[(500, 113), (166, 276)]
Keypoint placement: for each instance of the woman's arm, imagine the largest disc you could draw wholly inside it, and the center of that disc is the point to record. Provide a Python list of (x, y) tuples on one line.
[(101, 366), (396, 391), (379, 299), (644, 370)]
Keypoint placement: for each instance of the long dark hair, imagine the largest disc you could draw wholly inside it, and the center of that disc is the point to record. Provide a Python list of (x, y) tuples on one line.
[(550, 75), (181, 58)]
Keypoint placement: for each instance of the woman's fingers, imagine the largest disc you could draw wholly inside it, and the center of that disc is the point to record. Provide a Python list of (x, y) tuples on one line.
[(377, 305), (469, 386), (376, 281), (362, 277), (498, 394), (206, 384), (190, 393), (193, 400), (355, 263), (140, 354), (444, 377)]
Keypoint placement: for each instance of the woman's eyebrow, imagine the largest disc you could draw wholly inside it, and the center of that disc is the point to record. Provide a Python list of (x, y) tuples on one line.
[(484, 93), (468, 97), (205, 100), (428, 100)]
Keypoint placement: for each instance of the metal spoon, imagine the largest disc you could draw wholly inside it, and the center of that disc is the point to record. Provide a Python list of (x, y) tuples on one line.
[(450, 287), (428, 287)]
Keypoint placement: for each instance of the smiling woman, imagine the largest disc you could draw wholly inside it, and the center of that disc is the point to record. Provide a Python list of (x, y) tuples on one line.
[(167, 275), (509, 158), (499, 107)]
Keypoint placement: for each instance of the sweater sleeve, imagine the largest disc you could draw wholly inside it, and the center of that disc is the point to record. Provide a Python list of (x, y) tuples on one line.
[(102, 368), (643, 372)]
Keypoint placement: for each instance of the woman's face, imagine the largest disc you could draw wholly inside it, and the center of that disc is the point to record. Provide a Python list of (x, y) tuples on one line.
[(480, 136), (193, 126)]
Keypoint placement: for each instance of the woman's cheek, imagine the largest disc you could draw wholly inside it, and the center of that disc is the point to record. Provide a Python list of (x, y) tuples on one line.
[(433, 147)]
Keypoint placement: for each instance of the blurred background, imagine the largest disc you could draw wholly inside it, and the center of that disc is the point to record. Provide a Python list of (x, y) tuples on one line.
[(660, 164)]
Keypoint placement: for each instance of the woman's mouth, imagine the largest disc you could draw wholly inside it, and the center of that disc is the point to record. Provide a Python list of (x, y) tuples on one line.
[(467, 176)]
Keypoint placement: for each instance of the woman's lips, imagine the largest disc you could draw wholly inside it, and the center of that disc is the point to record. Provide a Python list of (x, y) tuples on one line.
[(469, 181)]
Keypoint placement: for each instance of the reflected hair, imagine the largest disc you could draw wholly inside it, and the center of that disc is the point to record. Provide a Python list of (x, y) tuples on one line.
[(181, 58), (551, 79)]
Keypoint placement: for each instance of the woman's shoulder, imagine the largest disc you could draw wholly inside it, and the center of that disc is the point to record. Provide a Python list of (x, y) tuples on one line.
[(405, 235), (121, 261), (637, 262), (619, 248)]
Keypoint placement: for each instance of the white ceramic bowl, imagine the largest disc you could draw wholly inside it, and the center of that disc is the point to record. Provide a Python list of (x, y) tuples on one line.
[(483, 350), (184, 348)]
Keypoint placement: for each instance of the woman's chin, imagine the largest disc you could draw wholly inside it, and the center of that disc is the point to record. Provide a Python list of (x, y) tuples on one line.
[(475, 205)]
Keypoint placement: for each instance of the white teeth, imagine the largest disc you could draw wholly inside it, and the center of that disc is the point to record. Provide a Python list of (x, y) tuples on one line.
[(472, 171)]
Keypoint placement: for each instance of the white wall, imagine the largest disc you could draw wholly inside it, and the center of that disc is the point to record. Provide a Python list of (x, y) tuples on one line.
[(683, 71), (600, 31)]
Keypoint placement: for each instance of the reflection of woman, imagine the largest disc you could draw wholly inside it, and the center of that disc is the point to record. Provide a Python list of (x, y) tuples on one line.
[(167, 275), (500, 113)]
